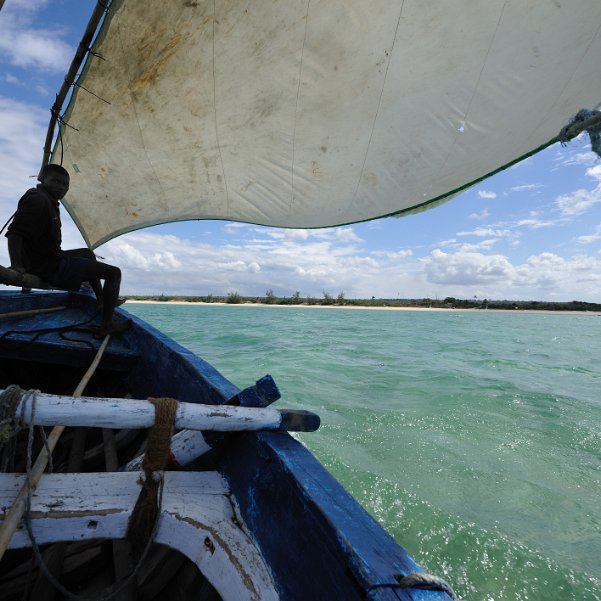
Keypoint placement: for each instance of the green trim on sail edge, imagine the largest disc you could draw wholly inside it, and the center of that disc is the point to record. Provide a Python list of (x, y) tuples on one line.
[(433, 201)]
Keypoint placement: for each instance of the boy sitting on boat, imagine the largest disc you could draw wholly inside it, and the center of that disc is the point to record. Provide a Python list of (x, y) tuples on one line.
[(34, 246)]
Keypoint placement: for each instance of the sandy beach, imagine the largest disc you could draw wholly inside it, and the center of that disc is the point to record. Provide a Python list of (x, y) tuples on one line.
[(355, 307)]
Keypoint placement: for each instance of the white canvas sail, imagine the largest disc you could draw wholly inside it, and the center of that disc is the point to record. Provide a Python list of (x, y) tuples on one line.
[(318, 112)]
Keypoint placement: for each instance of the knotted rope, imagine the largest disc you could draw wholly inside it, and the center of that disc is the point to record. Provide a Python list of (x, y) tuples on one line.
[(144, 517), (594, 130)]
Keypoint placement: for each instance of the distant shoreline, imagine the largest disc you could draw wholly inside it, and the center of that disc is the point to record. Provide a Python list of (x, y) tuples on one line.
[(364, 307)]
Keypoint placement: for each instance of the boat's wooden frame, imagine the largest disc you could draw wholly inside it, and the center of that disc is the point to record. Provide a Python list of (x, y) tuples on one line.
[(315, 540)]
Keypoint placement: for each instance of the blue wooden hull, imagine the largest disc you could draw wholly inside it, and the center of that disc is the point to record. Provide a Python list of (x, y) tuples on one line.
[(318, 542)]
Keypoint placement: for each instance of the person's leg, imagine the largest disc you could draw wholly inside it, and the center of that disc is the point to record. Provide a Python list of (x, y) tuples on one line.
[(86, 253), (73, 270), (95, 270)]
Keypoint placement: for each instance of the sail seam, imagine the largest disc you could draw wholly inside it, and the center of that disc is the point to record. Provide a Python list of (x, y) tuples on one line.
[(373, 125), (567, 84), (469, 105), (227, 196), (137, 118), (300, 70)]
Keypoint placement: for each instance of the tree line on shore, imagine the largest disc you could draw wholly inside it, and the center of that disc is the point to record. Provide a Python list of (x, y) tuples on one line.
[(327, 299)]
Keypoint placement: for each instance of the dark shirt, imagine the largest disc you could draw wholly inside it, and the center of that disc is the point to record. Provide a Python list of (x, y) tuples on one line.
[(38, 222)]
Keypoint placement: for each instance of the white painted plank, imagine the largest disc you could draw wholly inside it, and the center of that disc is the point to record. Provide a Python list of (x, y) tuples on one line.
[(195, 507)]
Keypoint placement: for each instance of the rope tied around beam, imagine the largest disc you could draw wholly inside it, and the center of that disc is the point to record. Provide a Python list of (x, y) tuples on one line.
[(9, 425), (144, 517)]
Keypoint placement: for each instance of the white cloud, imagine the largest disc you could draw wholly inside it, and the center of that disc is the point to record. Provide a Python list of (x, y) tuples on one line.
[(393, 256), (482, 232), (234, 228), (527, 187), (541, 276), (577, 158), (321, 260), (578, 202), (27, 5), (23, 46), (22, 131), (535, 224), (484, 214), (594, 172), (465, 268), (486, 194), (483, 245), (587, 239), (546, 271), (347, 234)]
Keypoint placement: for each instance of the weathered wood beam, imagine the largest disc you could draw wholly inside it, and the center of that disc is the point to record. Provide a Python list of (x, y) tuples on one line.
[(129, 413), (197, 518)]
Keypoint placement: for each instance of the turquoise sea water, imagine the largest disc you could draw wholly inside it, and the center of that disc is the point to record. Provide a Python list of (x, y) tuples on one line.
[(473, 437)]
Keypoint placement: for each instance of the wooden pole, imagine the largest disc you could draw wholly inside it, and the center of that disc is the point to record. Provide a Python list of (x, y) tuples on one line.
[(15, 513), (82, 51), (133, 413), (31, 312)]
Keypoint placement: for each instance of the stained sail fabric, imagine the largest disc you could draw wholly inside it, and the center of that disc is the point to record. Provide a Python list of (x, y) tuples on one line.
[(315, 113)]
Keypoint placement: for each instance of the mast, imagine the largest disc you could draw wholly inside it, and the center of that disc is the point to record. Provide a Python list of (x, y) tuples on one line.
[(82, 51)]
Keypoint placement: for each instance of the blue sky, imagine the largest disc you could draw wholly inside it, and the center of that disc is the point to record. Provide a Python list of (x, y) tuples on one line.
[(532, 232)]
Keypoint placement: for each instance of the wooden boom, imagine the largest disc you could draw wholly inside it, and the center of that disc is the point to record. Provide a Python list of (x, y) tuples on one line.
[(130, 413)]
